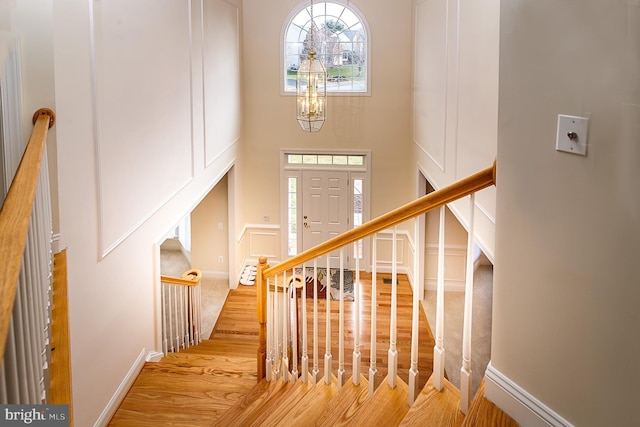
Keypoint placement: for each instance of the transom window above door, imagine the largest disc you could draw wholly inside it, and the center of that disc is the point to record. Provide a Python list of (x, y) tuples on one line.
[(340, 37)]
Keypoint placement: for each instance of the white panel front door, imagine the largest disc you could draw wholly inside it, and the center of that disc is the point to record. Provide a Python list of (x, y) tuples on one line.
[(325, 208)]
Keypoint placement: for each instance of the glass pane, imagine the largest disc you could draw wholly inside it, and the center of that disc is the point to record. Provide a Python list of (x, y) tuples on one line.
[(337, 28), (356, 160), (325, 159), (340, 160), (294, 159), (310, 159)]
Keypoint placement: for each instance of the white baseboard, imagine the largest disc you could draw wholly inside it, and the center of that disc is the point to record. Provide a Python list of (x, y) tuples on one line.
[(518, 403), (121, 391), (154, 356)]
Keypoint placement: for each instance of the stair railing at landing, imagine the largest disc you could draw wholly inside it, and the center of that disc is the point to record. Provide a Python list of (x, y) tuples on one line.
[(26, 266), (282, 355), (181, 311)]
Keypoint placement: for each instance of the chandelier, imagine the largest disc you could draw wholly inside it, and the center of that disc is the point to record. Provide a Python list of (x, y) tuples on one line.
[(311, 88)]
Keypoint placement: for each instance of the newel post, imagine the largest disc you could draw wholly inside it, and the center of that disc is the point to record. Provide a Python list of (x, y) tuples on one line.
[(261, 290)]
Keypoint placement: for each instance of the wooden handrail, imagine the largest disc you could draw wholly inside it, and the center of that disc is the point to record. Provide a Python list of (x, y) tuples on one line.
[(190, 278), (476, 182), (15, 215)]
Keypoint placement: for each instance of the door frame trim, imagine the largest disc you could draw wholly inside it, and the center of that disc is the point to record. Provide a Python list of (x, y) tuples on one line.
[(354, 171)]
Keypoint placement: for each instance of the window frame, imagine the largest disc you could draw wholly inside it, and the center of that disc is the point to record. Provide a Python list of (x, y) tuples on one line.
[(283, 37)]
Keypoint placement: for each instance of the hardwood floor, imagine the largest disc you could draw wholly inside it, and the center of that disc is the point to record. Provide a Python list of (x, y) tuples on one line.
[(215, 383)]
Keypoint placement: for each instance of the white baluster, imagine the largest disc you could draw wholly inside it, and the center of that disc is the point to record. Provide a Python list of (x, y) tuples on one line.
[(357, 356), (276, 334), (163, 304), (327, 354), (413, 370), (185, 317), (393, 330), (270, 311), (315, 375), (341, 371), (305, 356), (293, 292), (172, 321), (465, 370), (199, 308), (438, 350), (373, 370), (285, 333)]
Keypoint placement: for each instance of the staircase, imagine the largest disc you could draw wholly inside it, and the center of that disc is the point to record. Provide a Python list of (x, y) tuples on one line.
[(215, 383), (269, 373)]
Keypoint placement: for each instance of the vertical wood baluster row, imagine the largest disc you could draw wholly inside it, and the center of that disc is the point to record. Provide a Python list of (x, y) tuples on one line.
[(438, 350), (465, 370)]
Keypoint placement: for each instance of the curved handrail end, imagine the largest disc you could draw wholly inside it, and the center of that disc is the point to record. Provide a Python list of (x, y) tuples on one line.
[(45, 112)]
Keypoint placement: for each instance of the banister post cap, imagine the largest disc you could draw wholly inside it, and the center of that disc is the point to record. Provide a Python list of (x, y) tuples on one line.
[(262, 260)]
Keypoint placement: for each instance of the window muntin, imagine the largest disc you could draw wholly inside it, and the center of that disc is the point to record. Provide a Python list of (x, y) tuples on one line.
[(340, 38)]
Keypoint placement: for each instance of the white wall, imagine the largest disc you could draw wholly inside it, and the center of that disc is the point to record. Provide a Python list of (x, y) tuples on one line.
[(456, 100), (380, 122), (566, 288), (139, 145)]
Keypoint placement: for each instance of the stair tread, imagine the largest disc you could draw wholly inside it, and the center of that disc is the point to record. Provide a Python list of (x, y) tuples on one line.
[(344, 407), (305, 402), (387, 407), (186, 390), (249, 407), (436, 408)]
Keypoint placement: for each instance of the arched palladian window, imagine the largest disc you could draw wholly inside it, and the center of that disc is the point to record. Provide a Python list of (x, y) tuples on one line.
[(340, 39)]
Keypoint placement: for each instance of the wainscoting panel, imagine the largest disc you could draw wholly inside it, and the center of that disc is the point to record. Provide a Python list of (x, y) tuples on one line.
[(261, 241), (385, 249), (454, 267)]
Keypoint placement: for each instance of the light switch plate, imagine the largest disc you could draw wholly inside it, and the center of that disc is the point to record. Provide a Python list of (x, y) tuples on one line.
[(572, 134)]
